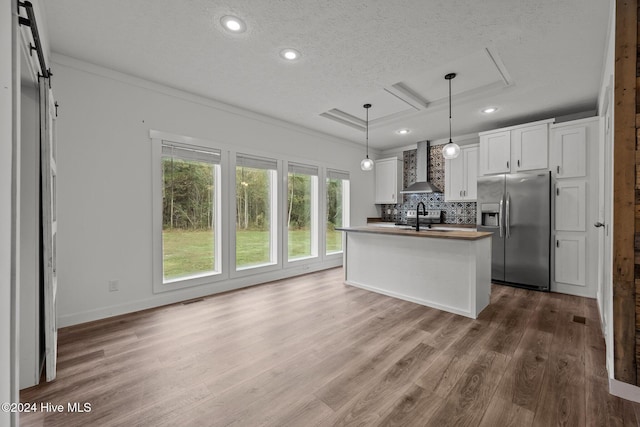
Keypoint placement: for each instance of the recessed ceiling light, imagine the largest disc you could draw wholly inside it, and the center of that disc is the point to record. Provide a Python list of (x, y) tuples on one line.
[(490, 110), (290, 54), (233, 24), (403, 131)]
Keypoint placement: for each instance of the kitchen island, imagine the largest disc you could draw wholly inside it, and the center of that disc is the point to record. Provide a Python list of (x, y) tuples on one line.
[(447, 270)]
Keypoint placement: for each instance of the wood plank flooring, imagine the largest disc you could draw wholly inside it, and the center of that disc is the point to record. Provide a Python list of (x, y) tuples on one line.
[(310, 351)]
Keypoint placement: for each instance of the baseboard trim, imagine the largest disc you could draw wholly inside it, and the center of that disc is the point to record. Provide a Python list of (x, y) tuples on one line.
[(427, 303), (575, 290), (624, 390), (167, 298)]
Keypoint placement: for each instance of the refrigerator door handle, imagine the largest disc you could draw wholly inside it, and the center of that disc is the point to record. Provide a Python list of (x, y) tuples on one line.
[(507, 224), (500, 216)]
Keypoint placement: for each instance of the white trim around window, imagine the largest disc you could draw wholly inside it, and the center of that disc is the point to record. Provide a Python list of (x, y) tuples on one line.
[(225, 228), (315, 215), (183, 147), (346, 209), (275, 167)]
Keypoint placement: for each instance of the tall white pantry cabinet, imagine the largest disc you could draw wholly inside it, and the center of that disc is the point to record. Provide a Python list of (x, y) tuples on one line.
[(573, 160), (569, 150)]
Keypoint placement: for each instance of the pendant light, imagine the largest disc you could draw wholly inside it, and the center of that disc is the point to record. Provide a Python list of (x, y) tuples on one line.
[(367, 164), (451, 150)]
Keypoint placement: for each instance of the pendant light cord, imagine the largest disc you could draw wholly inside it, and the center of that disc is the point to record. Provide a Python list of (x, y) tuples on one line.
[(450, 110), (451, 149), (366, 107), (367, 133)]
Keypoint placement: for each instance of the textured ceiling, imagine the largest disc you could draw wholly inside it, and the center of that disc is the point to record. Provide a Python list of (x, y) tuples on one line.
[(354, 51)]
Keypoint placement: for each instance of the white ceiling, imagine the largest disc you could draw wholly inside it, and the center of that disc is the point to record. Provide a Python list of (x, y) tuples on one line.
[(531, 59)]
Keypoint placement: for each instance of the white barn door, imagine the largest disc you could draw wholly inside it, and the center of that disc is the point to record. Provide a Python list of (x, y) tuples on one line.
[(49, 224)]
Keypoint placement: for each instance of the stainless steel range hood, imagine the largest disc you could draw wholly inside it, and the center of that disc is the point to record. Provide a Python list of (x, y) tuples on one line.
[(422, 184)]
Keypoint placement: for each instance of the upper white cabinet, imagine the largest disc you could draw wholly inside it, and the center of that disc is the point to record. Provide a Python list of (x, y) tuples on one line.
[(388, 176), (461, 175), (529, 148), (495, 153), (569, 151), (515, 149)]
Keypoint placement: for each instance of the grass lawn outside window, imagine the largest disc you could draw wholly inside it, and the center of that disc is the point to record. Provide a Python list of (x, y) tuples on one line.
[(186, 251)]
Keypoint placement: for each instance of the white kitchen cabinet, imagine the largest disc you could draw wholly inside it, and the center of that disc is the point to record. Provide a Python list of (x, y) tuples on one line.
[(573, 161), (388, 180), (570, 259), (569, 151), (495, 153), (571, 206), (461, 175), (529, 146), (515, 149)]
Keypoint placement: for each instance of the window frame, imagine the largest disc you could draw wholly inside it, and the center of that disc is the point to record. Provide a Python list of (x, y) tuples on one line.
[(276, 202), (159, 283), (346, 211), (316, 214), (229, 278)]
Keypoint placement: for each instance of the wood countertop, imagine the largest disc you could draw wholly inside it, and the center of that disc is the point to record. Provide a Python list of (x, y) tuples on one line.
[(438, 234)]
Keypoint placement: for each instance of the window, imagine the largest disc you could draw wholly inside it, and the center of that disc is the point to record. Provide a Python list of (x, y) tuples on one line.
[(284, 213), (337, 209), (302, 212), (190, 211), (256, 212)]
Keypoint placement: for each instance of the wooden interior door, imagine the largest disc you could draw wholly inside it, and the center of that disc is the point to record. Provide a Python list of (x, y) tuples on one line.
[(49, 224)]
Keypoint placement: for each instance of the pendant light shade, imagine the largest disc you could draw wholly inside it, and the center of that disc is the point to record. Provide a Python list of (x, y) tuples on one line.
[(367, 164), (450, 150)]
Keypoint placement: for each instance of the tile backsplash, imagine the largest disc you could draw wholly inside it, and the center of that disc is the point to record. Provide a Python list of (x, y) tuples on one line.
[(452, 212)]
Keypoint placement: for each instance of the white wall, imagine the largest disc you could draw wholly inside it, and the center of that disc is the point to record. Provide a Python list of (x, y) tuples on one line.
[(8, 374), (605, 295), (608, 58), (104, 180)]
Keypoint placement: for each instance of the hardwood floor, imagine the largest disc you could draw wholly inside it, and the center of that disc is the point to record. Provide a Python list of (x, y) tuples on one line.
[(311, 351)]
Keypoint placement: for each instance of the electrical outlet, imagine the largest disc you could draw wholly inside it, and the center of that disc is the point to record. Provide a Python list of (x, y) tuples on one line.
[(113, 285)]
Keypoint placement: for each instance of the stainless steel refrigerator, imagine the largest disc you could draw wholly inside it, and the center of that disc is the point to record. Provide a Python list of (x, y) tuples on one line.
[(517, 209)]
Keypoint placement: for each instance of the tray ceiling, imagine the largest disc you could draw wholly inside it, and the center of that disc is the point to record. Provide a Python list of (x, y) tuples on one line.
[(533, 59), (478, 74)]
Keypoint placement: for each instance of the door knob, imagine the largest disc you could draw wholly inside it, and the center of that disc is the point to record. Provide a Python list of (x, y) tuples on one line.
[(598, 224)]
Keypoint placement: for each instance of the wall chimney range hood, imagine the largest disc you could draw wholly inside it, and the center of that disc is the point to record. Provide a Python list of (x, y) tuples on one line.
[(422, 184)]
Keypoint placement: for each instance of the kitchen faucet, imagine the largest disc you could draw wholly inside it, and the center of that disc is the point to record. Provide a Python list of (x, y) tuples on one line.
[(424, 212)]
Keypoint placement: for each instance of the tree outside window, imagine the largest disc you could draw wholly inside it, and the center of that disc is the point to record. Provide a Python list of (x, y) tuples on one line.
[(256, 213), (302, 207), (189, 212), (337, 209)]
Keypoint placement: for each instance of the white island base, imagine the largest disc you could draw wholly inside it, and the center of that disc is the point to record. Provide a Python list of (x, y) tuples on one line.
[(446, 273)]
